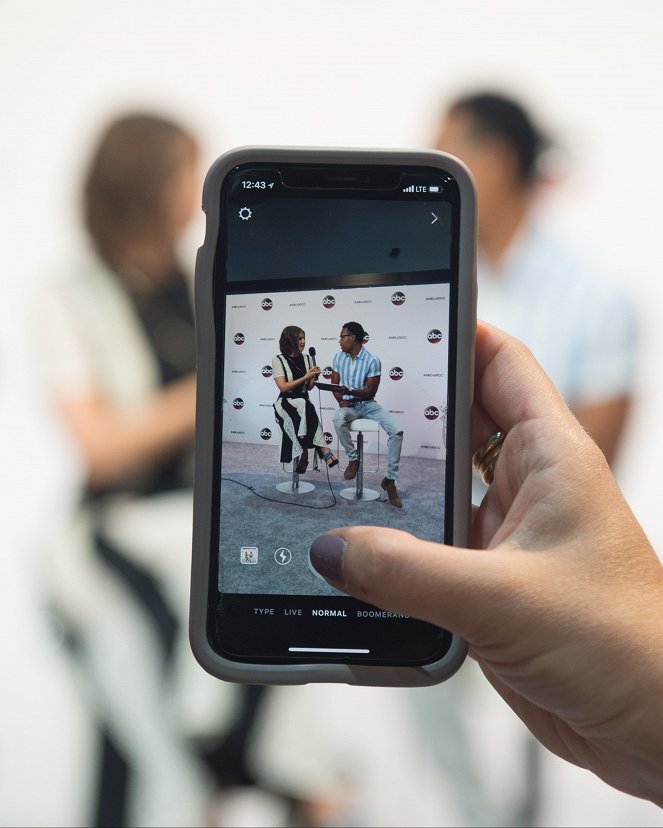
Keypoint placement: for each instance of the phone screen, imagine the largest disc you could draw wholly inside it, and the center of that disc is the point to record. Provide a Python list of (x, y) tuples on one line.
[(314, 248)]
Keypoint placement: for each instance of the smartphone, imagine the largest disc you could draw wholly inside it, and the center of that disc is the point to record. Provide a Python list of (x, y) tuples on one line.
[(310, 240)]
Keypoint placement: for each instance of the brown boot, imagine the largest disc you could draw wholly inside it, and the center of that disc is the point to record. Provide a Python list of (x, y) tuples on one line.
[(351, 471), (390, 488)]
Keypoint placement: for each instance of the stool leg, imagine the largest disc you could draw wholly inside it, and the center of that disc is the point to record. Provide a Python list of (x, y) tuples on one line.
[(295, 486), (360, 469), (358, 492)]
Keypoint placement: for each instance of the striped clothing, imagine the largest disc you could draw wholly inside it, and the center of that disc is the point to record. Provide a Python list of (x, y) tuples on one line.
[(295, 414), (353, 373), (292, 368)]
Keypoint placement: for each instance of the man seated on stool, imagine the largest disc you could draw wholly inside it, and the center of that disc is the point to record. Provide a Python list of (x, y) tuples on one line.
[(358, 373)]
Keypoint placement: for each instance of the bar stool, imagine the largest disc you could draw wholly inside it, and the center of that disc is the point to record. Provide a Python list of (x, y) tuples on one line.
[(358, 492), (294, 486)]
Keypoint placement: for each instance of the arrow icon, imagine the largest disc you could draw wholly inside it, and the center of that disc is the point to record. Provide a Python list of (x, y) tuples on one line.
[(435, 218)]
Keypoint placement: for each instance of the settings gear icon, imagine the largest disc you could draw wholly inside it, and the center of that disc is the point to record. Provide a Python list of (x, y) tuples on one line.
[(245, 213)]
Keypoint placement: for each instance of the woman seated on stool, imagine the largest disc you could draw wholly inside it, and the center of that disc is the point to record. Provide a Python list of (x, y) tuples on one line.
[(294, 374)]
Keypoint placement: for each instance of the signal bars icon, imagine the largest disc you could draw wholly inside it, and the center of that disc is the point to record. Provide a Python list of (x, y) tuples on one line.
[(422, 188)]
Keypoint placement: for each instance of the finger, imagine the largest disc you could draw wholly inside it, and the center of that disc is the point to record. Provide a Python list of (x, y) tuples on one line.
[(483, 426), (510, 385), (459, 589)]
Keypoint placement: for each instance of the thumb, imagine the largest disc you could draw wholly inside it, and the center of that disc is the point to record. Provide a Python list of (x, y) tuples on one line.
[(463, 590)]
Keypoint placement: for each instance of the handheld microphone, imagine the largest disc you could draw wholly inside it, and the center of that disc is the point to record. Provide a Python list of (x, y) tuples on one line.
[(311, 353)]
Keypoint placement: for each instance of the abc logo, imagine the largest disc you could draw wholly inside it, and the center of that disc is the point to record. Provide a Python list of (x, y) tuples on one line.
[(238, 339), (266, 371), (329, 439), (434, 336), (327, 371), (238, 403), (328, 302), (266, 304), (396, 373), (397, 298), (266, 434), (432, 412)]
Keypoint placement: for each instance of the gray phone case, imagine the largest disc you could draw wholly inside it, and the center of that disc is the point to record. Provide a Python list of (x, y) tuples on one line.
[(205, 413)]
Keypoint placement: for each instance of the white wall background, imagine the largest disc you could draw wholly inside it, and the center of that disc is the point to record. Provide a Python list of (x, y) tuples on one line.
[(335, 72)]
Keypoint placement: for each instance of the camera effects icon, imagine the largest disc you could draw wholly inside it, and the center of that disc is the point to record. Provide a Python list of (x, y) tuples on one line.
[(248, 555)]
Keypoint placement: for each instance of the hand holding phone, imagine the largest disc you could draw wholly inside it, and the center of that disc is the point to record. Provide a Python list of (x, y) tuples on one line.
[(299, 243)]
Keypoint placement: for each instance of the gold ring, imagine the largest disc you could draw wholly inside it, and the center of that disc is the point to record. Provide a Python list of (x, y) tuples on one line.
[(485, 457)]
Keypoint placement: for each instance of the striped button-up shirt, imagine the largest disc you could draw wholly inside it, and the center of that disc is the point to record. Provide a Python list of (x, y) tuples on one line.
[(353, 373)]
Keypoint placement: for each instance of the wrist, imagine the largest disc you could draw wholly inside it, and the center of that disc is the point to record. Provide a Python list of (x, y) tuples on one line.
[(632, 734), (644, 740)]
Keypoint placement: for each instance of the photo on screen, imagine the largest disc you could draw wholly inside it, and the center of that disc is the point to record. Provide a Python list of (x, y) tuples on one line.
[(265, 533)]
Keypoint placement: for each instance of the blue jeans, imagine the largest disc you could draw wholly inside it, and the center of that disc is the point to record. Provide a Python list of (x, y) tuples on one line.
[(370, 410)]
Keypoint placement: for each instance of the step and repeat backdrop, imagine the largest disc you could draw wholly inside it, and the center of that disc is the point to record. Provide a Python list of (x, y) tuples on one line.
[(407, 330)]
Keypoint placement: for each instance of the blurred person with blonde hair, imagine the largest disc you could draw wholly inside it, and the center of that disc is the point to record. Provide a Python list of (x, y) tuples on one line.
[(120, 358), (177, 747)]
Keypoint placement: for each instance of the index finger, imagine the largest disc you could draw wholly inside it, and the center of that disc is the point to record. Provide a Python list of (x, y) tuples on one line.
[(510, 386)]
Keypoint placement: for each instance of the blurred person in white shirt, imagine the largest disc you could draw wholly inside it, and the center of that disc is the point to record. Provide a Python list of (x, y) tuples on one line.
[(533, 283)]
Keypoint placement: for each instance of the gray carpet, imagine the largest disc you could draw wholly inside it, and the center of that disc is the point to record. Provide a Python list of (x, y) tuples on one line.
[(291, 522)]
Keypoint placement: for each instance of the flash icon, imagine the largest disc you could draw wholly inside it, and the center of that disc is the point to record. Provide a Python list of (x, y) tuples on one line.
[(282, 556)]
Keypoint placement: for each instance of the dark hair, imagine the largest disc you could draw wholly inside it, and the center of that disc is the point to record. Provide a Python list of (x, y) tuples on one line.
[(288, 341), (497, 115), (123, 191), (356, 330)]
